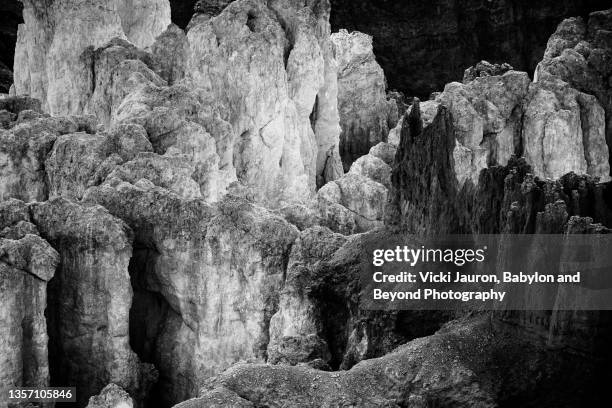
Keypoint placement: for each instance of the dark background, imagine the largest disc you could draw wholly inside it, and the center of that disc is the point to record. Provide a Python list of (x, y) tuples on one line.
[(421, 44)]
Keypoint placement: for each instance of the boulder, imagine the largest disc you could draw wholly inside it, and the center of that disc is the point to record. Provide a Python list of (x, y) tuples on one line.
[(111, 396)]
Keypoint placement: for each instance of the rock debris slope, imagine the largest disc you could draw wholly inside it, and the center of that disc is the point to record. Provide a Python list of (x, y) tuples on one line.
[(161, 204)]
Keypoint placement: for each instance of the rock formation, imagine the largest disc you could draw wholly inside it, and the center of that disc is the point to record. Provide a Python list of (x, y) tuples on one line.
[(27, 263), (215, 272), (90, 299), (168, 185), (497, 113), (579, 53), (50, 45), (366, 115), (25, 145)]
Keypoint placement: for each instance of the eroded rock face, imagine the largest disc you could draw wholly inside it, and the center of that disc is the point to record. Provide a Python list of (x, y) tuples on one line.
[(579, 53), (420, 184), (78, 161), (27, 263), (564, 130), (295, 329), (355, 202), (366, 115), (52, 40), (90, 299), (24, 147), (555, 127), (275, 88), (218, 270)]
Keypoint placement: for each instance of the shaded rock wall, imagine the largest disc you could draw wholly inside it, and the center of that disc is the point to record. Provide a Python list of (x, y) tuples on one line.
[(10, 17), (90, 299)]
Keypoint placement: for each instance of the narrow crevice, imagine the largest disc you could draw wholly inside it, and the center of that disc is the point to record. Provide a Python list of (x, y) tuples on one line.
[(148, 314)]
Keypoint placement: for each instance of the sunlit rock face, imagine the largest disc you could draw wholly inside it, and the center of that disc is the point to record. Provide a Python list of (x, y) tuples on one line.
[(499, 113), (28, 263), (256, 87), (270, 68), (579, 53), (366, 115), (427, 196), (52, 40), (564, 130)]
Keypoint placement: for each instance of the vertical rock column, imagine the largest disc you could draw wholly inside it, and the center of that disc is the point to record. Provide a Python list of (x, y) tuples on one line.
[(27, 262), (366, 115), (90, 298)]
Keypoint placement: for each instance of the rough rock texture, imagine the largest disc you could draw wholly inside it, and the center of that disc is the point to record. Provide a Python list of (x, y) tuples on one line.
[(27, 263), (49, 63), (580, 53), (185, 126), (270, 68), (81, 160), (423, 45), (90, 299), (319, 321), (564, 130), (258, 102), (427, 198), (463, 365), (206, 280), (24, 148), (366, 115), (295, 329), (170, 50), (555, 127), (355, 202), (111, 396)]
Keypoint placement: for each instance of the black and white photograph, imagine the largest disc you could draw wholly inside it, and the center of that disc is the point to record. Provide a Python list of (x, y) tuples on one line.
[(305, 203)]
